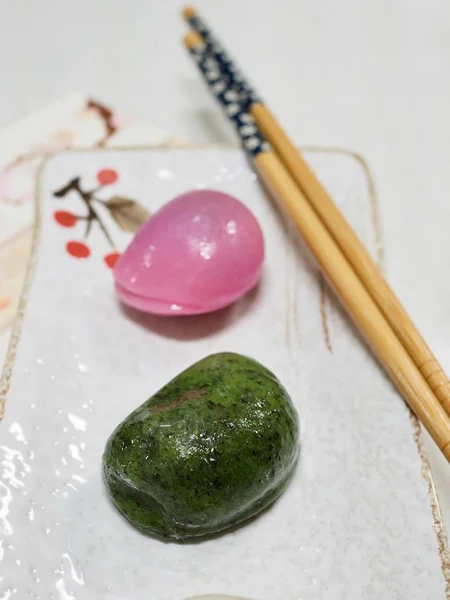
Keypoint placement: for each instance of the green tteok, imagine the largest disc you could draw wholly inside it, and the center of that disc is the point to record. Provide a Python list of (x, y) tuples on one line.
[(212, 448)]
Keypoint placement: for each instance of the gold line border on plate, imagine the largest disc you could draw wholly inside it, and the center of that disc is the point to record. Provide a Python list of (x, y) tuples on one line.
[(16, 331)]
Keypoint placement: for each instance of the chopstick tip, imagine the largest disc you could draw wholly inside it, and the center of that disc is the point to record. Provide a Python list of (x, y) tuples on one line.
[(188, 12), (193, 39)]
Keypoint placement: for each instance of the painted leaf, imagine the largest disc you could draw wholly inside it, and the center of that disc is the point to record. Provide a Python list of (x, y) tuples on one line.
[(128, 214)]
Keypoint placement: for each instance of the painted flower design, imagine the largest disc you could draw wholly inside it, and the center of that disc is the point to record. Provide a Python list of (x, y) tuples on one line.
[(128, 214)]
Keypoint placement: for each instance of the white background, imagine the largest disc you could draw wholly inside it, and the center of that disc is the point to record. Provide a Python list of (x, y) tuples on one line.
[(372, 76)]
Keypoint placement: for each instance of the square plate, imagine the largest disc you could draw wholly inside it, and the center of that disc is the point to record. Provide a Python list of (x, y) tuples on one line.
[(356, 521)]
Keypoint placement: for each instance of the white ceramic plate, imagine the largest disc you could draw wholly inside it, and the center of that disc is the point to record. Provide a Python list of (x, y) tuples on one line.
[(355, 523)]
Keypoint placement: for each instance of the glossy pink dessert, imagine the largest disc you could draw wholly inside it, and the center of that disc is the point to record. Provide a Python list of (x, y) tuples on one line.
[(198, 253)]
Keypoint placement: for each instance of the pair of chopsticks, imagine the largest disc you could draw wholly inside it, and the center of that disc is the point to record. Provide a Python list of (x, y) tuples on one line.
[(365, 294)]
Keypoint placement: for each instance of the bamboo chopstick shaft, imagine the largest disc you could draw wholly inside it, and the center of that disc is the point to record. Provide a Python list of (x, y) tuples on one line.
[(355, 298), (351, 291), (356, 253), (346, 238)]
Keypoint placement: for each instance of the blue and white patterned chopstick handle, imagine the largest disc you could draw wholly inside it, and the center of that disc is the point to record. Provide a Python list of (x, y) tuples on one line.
[(247, 94), (252, 140)]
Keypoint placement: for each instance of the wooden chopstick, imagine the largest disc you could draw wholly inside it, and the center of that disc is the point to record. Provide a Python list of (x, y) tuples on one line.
[(356, 299), (337, 225)]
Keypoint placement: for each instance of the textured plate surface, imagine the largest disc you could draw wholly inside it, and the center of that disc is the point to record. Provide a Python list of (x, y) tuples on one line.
[(356, 521)]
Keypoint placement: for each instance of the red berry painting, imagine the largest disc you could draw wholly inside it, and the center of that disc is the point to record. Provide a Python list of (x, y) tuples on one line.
[(78, 249), (126, 213), (111, 259), (107, 176), (64, 218)]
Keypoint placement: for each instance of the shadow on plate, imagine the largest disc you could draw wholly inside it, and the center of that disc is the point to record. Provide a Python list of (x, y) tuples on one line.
[(189, 328), (193, 540)]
